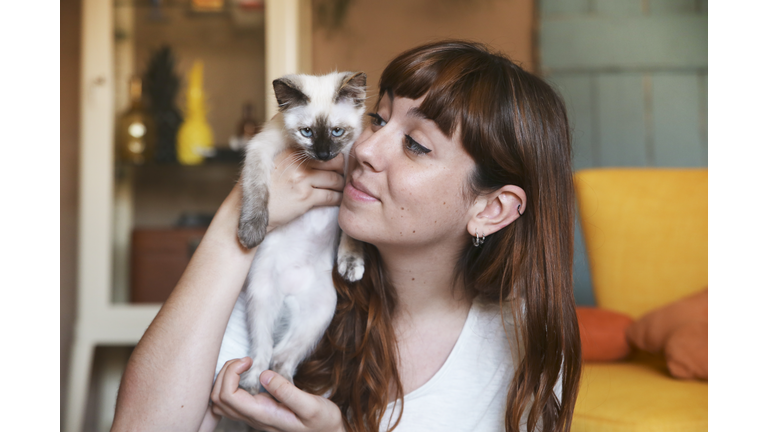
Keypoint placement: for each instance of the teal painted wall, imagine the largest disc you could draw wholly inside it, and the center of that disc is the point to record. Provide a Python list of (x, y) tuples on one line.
[(633, 74)]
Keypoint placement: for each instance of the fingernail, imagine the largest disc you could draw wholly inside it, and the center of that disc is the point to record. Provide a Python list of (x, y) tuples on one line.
[(266, 377)]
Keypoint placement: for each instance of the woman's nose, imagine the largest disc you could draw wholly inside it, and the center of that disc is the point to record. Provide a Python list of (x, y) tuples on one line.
[(371, 149)]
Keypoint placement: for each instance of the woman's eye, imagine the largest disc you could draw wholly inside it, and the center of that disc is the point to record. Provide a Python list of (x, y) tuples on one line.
[(415, 147), (307, 132), (337, 132), (376, 120)]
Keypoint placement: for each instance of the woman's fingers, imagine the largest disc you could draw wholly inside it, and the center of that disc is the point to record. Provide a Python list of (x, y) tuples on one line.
[(325, 197), (298, 410), (260, 411), (290, 410), (219, 395), (216, 392), (304, 405), (298, 184), (327, 180), (231, 379)]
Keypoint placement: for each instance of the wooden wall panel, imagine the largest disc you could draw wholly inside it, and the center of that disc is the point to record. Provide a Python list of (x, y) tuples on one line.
[(675, 112), (621, 128), (582, 279), (593, 42), (618, 7), (703, 113), (577, 91), (553, 8), (665, 7)]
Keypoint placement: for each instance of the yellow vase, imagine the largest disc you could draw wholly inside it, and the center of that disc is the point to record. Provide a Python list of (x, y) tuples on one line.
[(195, 138)]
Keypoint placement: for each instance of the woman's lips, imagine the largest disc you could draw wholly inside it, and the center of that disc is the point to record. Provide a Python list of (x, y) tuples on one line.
[(358, 192)]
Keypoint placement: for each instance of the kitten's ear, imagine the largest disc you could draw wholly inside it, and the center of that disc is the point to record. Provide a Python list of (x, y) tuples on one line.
[(288, 94), (352, 88)]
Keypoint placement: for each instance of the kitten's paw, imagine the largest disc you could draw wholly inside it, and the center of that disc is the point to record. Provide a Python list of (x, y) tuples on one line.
[(251, 232), (250, 381), (351, 267), (285, 372)]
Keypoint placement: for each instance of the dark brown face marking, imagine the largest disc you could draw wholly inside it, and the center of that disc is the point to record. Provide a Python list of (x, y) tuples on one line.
[(325, 146), (288, 94), (353, 89)]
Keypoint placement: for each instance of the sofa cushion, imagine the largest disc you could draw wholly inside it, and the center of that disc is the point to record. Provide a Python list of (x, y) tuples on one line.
[(679, 330), (645, 232), (686, 351), (651, 332), (603, 334), (638, 395)]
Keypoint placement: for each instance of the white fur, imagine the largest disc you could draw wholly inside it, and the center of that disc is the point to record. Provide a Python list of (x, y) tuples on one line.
[(291, 273), (289, 289)]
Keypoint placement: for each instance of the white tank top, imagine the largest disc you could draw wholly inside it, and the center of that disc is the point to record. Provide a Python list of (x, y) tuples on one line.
[(469, 392)]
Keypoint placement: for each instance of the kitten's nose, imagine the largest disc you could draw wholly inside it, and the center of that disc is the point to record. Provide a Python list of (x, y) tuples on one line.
[(324, 155)]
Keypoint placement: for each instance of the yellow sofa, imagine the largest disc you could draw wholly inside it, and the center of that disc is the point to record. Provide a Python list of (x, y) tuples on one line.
[(645, 232)]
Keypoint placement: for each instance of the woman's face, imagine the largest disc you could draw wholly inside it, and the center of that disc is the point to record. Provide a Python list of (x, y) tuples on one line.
[(406, 181)]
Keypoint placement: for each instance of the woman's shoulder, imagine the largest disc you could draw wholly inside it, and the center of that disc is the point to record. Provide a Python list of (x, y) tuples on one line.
[(501, 314), (494, 327)]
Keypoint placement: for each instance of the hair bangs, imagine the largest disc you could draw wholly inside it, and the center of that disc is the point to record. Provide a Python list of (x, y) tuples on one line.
[(466, 88), (446, 76)]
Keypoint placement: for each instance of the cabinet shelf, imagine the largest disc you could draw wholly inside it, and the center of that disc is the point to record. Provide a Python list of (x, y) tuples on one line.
[(118, 37)]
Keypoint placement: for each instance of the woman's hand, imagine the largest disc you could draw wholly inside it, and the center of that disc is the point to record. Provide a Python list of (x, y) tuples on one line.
[(298, 184), (294, 410)]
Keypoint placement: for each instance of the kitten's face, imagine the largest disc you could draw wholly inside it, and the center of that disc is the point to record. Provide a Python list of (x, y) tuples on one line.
[(322, 114)]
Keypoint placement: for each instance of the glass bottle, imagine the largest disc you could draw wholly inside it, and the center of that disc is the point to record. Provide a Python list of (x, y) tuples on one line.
[(136, 129), (195, 137)]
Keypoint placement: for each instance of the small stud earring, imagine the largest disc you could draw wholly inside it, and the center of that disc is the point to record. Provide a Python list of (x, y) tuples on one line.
[(477, 241)]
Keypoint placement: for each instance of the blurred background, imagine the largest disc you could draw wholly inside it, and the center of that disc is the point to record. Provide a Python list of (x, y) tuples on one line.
[(177, 87)]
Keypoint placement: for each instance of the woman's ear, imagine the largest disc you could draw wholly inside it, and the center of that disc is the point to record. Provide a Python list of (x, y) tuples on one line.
[(494, 211)]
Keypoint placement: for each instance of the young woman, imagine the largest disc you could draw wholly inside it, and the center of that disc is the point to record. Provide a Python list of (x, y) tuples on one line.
[(461, 190)]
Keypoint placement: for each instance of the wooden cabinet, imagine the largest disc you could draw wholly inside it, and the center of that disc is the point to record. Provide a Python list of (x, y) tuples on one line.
[(108, 207), (158, 258)]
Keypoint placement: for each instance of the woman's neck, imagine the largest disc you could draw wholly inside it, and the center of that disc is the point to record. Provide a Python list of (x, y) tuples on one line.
[(424, 282)]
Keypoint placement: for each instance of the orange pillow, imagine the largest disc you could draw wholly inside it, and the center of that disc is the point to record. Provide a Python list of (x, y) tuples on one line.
[(603, 334), (686, 351), (680, 331)]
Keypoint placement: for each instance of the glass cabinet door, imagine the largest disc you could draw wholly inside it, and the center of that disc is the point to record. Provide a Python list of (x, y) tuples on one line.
[(189, 77)]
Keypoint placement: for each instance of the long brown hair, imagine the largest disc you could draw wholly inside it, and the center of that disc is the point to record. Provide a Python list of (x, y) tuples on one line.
[(515, 127)]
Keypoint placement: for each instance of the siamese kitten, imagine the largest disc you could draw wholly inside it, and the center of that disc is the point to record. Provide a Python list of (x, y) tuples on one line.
[(289, 290)]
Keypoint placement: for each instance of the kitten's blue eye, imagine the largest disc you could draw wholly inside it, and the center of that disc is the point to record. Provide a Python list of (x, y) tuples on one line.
[(414, 147), (376, 120), (337, 132), (307, 132)]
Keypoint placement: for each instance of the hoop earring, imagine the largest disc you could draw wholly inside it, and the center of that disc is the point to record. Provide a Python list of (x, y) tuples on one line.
[(477, 241), (518, 209)]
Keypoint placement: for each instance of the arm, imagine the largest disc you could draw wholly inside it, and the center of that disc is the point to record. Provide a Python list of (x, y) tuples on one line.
[(168, 380)]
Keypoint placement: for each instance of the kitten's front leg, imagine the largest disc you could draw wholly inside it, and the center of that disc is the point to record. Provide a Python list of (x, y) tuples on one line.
[(351, 264), (254, 214)]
